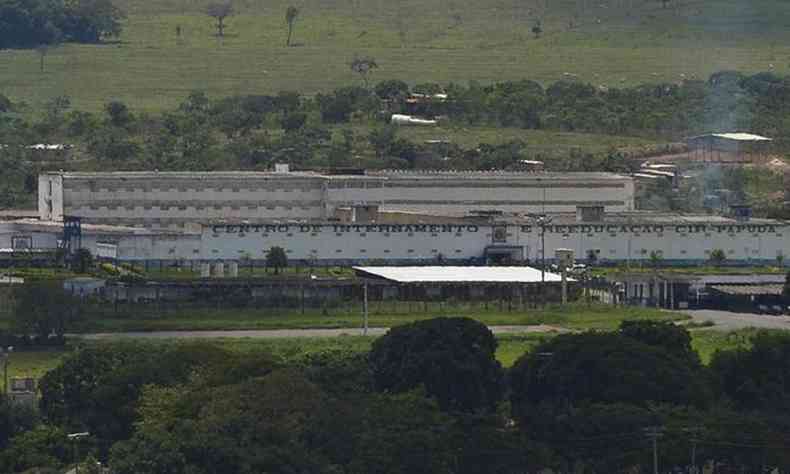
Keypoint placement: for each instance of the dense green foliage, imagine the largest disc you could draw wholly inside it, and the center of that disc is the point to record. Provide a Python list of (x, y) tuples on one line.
[(323, 131), (28, 23), (200, 408), (453, 358), (43, 310), (758, 378), (604, 368)]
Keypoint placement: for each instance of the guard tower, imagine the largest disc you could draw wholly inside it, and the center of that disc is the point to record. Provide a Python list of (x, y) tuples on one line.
[(72, 237)]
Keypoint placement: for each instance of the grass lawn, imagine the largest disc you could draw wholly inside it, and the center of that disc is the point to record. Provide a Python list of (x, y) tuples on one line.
[(706, 342), (605, 43), (33, 363), (511, 347), (576, 316), (644, 267)]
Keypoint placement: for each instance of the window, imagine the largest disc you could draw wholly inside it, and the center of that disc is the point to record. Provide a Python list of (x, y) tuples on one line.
[(500, 234), (363, 251), (21, 242), (338, 251)]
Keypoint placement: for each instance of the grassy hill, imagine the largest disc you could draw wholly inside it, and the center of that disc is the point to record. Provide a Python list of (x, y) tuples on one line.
[(603, 41)]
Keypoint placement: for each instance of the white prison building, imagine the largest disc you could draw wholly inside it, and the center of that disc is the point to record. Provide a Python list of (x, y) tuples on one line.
[(181, 200)]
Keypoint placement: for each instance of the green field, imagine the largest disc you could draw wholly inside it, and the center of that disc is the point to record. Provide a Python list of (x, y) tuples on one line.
[(511, 347), (607, 43), (388, 314)]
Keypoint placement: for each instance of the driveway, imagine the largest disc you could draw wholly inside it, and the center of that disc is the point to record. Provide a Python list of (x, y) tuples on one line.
[(283, 333), (729, 321)]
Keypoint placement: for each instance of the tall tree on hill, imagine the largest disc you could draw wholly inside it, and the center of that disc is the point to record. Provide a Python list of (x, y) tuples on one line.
[(220, 11), (290, 18), (537, 29), (363, 66), (42, 51)]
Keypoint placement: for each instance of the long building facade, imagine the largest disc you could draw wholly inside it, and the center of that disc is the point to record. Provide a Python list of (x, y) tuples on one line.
[(612, 238), (178, 200)]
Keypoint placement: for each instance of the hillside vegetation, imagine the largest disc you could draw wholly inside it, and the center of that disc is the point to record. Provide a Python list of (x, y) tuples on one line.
[(610, 43)]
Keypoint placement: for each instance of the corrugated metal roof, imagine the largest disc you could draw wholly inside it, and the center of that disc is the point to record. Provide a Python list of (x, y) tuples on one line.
[(751, 279), (747, 290), (459, 274), (737, 136), (744, 137)]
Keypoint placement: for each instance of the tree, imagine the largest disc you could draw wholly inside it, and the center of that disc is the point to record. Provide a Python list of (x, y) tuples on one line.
[(276, 258), (43, 309), (363, 66), (42, 447), (717, 257), (42, 51), (603, 368), (391, 89), (118, 113), (220, 11), (452, 358), (97, 388), (89, 21), (5, 104), (537, 29), (756, 378), (291, 13), (382, 139), (665, 334), (293, 122)]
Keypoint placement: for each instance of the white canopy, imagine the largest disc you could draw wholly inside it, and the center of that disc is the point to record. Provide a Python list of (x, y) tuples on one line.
[(442, 274)]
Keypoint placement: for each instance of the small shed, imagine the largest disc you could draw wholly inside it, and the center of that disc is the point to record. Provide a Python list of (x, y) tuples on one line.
[(732, 147)]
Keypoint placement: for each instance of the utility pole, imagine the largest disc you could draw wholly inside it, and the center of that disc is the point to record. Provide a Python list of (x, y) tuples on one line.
[(653, 433), (694, 436), (74, 438), (365, 311), (6, 356)]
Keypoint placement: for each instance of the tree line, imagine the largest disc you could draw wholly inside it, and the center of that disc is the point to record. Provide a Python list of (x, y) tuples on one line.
[(428, 397), (31, 23), (255, 131)]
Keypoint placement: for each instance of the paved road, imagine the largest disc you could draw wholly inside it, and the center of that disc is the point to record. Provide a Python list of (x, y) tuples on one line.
[(280, 333), (728, 321), (724, 321)]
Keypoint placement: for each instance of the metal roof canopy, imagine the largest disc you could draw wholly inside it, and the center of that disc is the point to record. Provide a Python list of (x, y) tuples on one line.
[(736, 136), (450, 274)]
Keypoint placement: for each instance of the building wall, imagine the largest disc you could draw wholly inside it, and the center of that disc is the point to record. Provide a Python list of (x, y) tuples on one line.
[(515, 195), (174, 200), (676, 242), (50, 197), (167, 203)]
